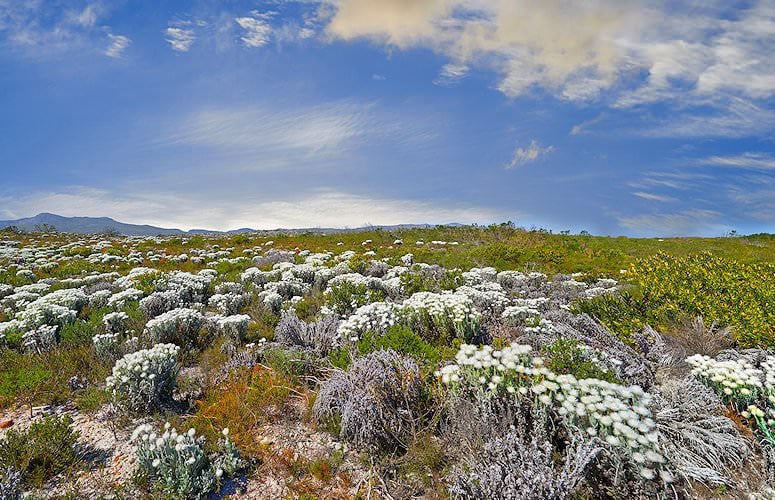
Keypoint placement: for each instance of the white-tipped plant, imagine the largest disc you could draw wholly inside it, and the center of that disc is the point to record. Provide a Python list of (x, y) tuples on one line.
[(177, 464), (143, 380)]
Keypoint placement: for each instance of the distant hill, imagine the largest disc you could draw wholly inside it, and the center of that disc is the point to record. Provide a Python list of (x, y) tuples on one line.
[(99, 225), (86, 225)]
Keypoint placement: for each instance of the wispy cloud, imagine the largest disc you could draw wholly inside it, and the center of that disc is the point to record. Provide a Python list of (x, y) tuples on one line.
[(683, 223), (759, 161), (583, 127), (451, 74), (256, 28), (529, 154), (653, 196), (180, 39), (118, 44)]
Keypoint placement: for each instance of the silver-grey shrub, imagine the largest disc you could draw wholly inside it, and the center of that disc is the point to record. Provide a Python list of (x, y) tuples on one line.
[(180, 326), (523, 466), (142, 381), (701, 443), (158, 303), (10, 482), (318, 336), (377, 401)]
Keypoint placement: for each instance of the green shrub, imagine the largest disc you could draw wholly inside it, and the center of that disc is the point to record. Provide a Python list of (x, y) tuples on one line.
[(346, 297), (567, 356), (42, 451)]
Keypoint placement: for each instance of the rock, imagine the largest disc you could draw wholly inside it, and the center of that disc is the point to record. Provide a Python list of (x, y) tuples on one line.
[(4, 424)]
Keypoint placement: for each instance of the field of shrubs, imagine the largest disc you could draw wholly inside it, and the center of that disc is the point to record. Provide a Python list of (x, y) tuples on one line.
[(450, 362)]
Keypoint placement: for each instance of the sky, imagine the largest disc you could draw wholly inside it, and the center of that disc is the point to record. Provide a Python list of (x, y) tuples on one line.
[(618, 117)]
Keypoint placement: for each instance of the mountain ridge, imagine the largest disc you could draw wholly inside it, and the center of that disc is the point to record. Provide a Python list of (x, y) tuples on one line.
[(107, 225)]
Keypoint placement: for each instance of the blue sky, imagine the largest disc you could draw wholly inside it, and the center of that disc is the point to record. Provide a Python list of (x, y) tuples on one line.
[(614, 116)]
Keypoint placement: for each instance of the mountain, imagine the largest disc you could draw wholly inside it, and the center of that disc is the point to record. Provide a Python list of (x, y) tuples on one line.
[(98, 225), (86, 225)]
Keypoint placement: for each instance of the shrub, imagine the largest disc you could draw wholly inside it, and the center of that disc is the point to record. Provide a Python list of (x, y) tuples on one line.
[(42, 451), (441, 316), (377, 402), (345, 297), (234, 327), (318, 336), (403, 340), (10, 480), (517, 466), (179, 326), (568, 356), (160, 302), (143, 380), (177, 465)]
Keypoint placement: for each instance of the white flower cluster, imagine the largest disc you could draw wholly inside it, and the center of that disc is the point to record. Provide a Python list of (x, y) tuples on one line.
[(376, 317), (737, 381), (227, 303), (179, 463), (106, 345), (115, 321), (617, 414), (180, 326), (235, 326), (487, 296), (479, 275), (121, 299), (40, 339), (449, 312), (143, 379), (523, 310)]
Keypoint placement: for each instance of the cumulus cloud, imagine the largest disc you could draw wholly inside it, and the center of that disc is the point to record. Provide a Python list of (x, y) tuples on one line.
[(118, 44), (180, 39), (705, 55), (529, 154), (256, 28)]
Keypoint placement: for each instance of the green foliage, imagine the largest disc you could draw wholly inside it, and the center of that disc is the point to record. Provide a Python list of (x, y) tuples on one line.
[(401, 339), (412, 283), (622, 315), (91, 399), (567, 356), (42, 451), (669, 289), (346, 297)]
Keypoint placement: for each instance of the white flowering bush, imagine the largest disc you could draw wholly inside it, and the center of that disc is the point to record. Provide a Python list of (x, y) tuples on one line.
[(121, 299), (441, 315), (106, 344), (143, 380), (616, 414), (115, 322), (749, 390), (180, 326), (177, 464), (235, 327), (488, 297), (523, 310), (376, 317), (44, 313), (227, 303), (40, 339), (738, 382)]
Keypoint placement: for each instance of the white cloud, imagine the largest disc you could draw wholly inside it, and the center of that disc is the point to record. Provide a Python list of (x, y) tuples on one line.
[(256, 28), (653, 196), (451, 74), (118, 44), (684, 223), (583, 127), (711, 58), (180, 39), (319, 208), (530, 154), (762, 161)]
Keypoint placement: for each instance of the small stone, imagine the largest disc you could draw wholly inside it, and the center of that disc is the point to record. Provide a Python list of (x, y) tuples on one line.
[(6, 423)]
